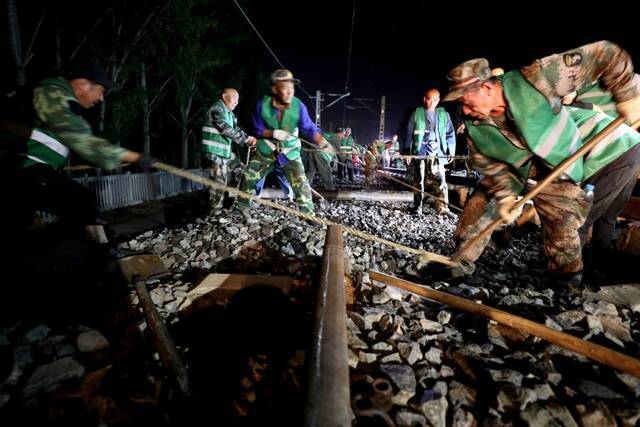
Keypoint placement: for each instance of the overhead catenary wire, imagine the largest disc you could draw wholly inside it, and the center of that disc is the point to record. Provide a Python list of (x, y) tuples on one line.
[(348, 76), (353, 19), (265, 43)]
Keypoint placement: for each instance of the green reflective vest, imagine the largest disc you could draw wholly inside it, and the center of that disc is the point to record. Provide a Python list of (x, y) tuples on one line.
[(594, 94), (42, 146), (288, 122), (419, 117), (213, 142), (551, 137)]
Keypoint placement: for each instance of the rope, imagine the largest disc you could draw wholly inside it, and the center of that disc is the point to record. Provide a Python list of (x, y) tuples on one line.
[(431, 196), (424, 255)]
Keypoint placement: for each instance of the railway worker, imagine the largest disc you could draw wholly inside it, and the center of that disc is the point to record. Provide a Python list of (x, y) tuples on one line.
[(218, 134), (59, 129), (433, 135), (371, 162), (519, 131), (345, 145), (278, 120), (320, 161)]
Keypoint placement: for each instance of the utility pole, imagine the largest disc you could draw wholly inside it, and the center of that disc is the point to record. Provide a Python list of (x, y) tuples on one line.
[(318, 107), (318, 98), (382, 108)]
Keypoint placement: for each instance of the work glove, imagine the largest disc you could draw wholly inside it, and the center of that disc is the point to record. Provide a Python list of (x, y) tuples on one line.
[(630, 110), (280, 135), (505, 211), (327, 148), (145, 161)]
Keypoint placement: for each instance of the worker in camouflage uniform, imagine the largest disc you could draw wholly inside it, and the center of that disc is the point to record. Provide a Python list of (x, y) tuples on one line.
[(59, 129), (602, 216), (219, 132), (372, 162), (278, 120), (320, 161), (433, 135), (520, 131)]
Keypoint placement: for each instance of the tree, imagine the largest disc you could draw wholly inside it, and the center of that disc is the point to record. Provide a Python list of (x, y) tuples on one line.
[(198, 39)]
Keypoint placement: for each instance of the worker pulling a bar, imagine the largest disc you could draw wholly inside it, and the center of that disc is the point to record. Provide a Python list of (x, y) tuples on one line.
[(519, 131)]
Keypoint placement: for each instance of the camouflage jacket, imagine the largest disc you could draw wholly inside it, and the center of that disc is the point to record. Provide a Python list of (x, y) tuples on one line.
[(58, 114), (556, 76), (216, 118)]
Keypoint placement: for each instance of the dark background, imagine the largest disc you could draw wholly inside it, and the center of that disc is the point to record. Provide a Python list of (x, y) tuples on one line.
[(400, 49)]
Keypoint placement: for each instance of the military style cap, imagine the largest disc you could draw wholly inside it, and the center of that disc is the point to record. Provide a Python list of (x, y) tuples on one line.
[(466, 74), (90, 69), (340, 129), (282, 75)]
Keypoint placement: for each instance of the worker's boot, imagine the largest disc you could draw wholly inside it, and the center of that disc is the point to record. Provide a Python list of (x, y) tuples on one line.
[(569, 284)]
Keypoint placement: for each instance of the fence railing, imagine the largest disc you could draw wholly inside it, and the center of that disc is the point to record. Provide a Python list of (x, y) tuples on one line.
[(118, 191)]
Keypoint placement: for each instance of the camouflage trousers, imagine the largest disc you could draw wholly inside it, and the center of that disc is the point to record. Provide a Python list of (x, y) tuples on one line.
[(220, 170), (370, 174), (260, 166), (429, 176), (562, 209)]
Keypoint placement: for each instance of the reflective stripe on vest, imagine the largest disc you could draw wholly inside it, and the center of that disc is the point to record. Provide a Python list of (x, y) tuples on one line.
[(213, 142), (420, 128), (288, 122), (43, 148)]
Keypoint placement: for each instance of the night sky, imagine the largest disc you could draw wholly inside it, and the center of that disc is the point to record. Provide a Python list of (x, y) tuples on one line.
[(401, 48)]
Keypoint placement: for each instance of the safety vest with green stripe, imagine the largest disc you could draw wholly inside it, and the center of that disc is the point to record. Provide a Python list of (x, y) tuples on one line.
[(595, 94), (346, 145), (420, 127), (288, 122), (552, 137), (42, 146), (213, 142)]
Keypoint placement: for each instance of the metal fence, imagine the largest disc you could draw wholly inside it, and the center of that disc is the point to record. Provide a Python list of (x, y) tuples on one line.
[(117, 191)]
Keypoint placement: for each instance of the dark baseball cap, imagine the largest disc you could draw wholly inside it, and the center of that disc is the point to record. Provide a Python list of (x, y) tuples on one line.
[(91, 69)]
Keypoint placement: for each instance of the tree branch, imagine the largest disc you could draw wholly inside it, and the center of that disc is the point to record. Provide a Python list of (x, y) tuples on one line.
[(86, 36)]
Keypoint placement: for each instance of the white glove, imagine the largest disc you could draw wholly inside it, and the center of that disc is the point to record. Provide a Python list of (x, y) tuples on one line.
[(505, 209), (327, 148), (630, 110), (280, 135)]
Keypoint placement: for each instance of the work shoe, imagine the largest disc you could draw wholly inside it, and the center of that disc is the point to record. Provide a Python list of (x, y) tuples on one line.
[(567, 279), (569, 284)]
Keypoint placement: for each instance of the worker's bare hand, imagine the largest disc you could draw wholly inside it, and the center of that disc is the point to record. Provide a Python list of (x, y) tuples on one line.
[(505, 209), (630, 110)]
